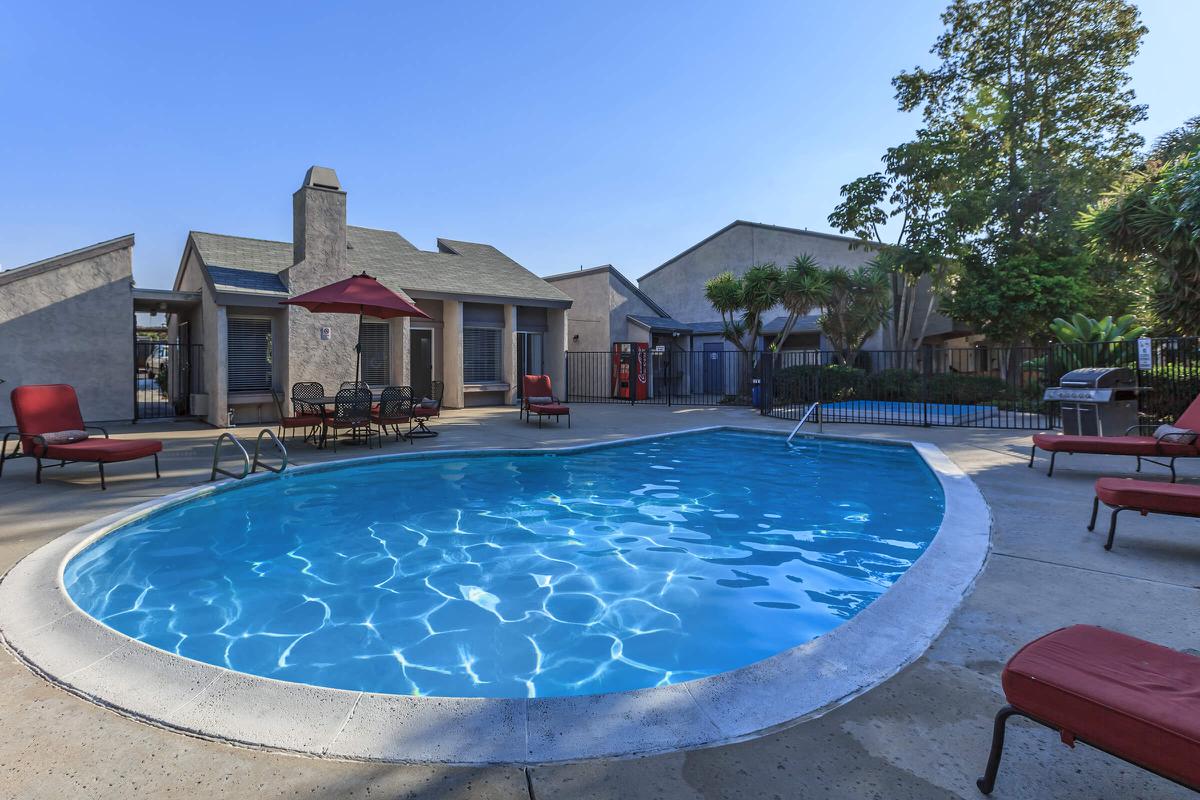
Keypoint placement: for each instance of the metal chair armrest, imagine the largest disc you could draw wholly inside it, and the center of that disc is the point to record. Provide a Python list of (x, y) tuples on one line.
[(1139, 426), (96, 428)]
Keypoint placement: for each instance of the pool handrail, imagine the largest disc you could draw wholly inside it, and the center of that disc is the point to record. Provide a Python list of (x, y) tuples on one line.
[(803, 419), (217, 455), (283, 453)]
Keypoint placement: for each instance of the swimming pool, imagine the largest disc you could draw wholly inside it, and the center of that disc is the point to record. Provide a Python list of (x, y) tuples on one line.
[(521, 575)]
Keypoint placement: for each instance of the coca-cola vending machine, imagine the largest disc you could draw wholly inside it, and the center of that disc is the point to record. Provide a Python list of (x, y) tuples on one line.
[(630, 370)]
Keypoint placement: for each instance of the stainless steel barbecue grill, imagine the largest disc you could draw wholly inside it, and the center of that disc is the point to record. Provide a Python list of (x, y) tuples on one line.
[(1096, 401)]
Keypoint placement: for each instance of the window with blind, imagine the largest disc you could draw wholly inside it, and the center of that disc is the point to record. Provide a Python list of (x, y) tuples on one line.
[(249, 363), (481, 355), (376, 353)]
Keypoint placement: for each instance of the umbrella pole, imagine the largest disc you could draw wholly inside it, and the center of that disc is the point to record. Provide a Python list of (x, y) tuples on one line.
[(358, 350)]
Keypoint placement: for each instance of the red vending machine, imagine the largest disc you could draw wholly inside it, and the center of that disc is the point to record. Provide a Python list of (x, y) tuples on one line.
[(630, 370)]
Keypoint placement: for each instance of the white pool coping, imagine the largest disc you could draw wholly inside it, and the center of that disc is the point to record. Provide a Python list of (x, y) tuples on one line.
[(44, 628)]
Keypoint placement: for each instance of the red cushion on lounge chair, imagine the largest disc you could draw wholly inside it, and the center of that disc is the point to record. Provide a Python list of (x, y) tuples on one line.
[(1139, 700), (106, 450), (1112, 445), (1171, 498), (549, 409)]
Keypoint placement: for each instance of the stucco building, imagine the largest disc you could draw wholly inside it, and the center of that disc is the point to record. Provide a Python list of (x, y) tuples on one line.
[(670, 299), (69, 319), (490, 318), (229, 341)]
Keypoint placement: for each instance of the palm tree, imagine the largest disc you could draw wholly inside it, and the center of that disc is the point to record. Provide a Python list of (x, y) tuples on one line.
[(803, 287), (742, 302), (857, 305)]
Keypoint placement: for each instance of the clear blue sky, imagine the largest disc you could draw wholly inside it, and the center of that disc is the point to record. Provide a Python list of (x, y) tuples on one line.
[(566, 134)]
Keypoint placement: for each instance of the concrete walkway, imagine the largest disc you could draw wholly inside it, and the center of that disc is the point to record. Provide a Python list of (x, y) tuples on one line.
[(922, 734)]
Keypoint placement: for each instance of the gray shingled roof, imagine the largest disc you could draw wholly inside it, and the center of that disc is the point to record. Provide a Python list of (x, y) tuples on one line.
[(660, 323), (803, 325), (238, 252), (246, 280), (461, 268)]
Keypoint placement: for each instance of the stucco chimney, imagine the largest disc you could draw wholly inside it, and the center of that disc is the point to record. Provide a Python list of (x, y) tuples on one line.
[(319, 225)]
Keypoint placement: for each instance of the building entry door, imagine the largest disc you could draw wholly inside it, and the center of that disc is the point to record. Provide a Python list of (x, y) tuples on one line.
[(530, 359), (420, 362), (714, 367)]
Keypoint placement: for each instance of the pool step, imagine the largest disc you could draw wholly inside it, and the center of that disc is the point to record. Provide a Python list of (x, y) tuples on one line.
[(249, 467)]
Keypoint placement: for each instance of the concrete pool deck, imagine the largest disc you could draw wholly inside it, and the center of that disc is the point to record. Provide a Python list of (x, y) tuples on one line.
[(923, 733), (56, 639)]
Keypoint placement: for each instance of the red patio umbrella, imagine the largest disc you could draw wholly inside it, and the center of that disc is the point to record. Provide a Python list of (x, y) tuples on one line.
[(362, 295)]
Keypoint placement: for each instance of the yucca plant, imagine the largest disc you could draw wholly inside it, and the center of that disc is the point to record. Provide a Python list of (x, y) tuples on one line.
[(1094, 343)]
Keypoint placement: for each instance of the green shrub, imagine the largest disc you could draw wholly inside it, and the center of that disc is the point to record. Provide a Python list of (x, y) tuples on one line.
[(953, 387), (1171, 388), (837, 382)]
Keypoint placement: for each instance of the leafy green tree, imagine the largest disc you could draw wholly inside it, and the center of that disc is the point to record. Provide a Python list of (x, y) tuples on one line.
[(856, 304), (1154, 213), (915, 189), (1022, 293), (1025, 119)]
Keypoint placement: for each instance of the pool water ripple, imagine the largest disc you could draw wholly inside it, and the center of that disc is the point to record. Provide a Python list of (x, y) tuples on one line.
[(536, 575)]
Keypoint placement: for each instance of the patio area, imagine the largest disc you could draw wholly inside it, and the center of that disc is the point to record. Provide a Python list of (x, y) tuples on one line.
[(922, 734)]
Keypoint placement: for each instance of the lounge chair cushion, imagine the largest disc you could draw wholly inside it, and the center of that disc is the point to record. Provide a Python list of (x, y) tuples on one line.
[(1169, 433), (1134, 698), (549, 409), (1169, 498), (106, 450), (1112, 445), (64, 437)]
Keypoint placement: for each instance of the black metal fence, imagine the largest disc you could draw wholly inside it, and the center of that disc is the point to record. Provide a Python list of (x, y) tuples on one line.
[(981, 387), (165, 376), (664, 377), (967, 387)]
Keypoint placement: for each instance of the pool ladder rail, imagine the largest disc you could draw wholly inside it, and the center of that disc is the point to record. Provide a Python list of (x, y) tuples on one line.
[(249, 467), (804, 418)]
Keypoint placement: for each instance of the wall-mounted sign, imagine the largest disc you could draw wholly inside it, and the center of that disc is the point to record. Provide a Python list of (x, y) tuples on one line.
[(1145, 354), (326, 333)]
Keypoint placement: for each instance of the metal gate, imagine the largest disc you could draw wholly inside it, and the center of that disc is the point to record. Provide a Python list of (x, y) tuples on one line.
[(708, 377), (165, 376)]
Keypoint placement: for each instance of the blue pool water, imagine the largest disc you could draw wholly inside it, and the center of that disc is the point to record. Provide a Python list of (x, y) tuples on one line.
[(526, 575)]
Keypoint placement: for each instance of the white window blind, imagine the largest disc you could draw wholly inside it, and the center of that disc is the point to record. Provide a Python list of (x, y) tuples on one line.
[(376, 353), (481, 355), (249, 364)]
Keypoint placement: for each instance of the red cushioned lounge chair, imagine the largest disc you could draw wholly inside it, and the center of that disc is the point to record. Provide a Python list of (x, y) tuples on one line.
[(537, 397), (1130, 698), (1144, 497), (1144, 448), (44, 410)]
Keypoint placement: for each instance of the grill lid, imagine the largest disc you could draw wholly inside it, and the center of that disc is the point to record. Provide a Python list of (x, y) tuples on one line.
[(1098, 378)]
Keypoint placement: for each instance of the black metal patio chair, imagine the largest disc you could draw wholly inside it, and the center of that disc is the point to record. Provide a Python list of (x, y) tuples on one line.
[(395, 409), (352, 412), (426, 409)]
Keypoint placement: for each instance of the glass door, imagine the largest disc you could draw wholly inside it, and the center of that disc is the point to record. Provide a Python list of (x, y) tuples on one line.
[(529, 357)]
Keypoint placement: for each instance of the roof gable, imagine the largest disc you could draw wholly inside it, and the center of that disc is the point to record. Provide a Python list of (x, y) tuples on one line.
[(236, 263), (761, 226)]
